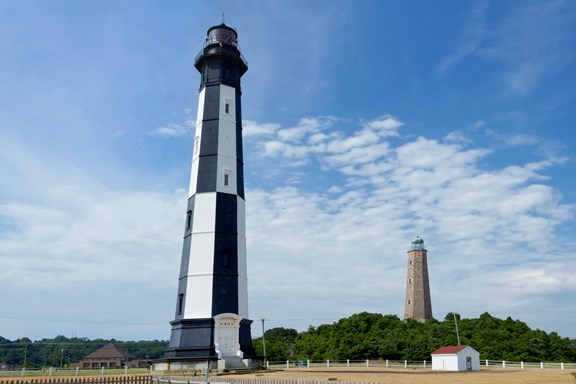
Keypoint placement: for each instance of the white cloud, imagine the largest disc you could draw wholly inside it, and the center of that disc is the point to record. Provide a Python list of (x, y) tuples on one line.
[(387, 126), (472, 37), (532, 43), (457, 137), (252, 128), (173, 130), (66, 240), (515, 140), (305, 127), (358, 155), (100, 247), (310, 137)]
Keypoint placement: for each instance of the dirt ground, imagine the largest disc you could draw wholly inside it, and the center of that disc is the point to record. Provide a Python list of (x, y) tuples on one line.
[(422, 376)]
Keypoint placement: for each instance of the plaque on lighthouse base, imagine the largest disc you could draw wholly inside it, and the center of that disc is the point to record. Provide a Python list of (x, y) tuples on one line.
[(220, 343)]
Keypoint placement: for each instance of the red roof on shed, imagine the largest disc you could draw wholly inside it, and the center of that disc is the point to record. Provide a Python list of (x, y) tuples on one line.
[(449, 350)]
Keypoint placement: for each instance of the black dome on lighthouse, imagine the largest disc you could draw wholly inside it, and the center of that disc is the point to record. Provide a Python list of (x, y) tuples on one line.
[(222, 34)]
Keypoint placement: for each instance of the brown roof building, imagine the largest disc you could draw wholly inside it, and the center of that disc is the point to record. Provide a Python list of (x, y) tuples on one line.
[(109, 356)]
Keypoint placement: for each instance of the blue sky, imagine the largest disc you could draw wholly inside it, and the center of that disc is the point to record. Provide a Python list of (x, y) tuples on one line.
[(366, 123)]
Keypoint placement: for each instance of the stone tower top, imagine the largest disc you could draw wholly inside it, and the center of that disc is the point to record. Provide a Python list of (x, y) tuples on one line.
[(417, 244)]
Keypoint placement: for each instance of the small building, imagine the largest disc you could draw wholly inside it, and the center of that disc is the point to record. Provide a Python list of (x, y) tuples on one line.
[(456, 358), (109, 356)]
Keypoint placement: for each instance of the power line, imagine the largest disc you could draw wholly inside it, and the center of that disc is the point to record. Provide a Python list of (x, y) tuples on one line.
[(83, 321)]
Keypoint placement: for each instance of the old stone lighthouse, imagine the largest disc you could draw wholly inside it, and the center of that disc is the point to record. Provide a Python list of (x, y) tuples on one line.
[(418, 301)]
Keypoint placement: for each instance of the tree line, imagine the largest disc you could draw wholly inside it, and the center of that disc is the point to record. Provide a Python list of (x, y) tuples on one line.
[(359, 337), (62, 351), (374, 336)]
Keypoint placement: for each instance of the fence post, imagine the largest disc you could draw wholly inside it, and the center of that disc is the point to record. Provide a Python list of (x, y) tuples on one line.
[(126, 369), (267, 364), (405, 363), (347, 363), (503, 364), (367, 363), (102, 370), (424, 363), (23, 369), (521, 365), (562, 366), (541, 365), (308, 363), (328, 363), (287, 364), (386, 363), (486, 362), (77, 369), (50, 372)]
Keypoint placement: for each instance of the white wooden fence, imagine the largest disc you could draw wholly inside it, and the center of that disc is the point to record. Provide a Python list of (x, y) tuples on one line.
[(412, 364)]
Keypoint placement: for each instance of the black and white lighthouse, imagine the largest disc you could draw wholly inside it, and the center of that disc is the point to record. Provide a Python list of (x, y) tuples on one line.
[(211, 321)]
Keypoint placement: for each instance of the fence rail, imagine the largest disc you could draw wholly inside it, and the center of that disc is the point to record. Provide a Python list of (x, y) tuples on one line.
[(80, 380), (288, 364), (245, 380)]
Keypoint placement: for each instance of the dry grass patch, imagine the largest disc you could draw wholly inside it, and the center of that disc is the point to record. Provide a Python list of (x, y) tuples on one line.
[(422, 376)]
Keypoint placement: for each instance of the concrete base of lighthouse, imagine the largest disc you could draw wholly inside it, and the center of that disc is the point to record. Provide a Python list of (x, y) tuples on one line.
[(222, 342)]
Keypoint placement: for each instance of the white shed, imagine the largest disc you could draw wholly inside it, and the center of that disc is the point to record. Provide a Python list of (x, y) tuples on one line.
[(456, 358)]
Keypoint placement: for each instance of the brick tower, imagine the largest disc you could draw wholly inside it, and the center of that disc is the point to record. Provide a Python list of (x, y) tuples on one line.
[(418, 302), (211, 318)]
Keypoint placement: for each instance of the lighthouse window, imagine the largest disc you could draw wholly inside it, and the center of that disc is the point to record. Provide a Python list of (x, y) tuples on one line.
[(227, 106), (227, 177), (188, 219), (227, 252), (409, 281), (180, 303), (196, 143)]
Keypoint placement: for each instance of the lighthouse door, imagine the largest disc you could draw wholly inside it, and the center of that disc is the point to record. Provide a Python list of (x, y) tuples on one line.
[(226, 342), (226, 330)]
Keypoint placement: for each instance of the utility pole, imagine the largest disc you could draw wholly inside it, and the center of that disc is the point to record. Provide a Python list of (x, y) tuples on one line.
[(45, 351), (263, 341), (456, 323), (25, 352)]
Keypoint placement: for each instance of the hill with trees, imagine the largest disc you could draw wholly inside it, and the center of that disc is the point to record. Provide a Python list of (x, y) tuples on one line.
[(375, 336)]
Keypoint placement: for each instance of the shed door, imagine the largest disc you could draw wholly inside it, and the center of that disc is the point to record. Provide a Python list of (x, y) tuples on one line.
[(468, 363)]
